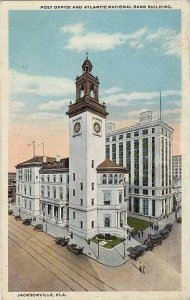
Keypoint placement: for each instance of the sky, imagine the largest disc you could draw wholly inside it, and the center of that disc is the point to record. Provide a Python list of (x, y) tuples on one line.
[(135, 54)]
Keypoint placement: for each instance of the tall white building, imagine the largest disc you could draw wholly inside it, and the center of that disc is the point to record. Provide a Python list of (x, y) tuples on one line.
[(146, 150), (88, 213), (177, 167)]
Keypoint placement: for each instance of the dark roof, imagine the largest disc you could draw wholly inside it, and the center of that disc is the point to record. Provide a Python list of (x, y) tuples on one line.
[(55, 166), (35, 161), (110, 166)]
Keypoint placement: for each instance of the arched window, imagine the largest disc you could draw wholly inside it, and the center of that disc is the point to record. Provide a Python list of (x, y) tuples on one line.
[(48, 178), (120, 178), (25, 189), (82, 91), (115, 179), (54, 192), (104, 179), (48, 191), (61, 193), (110, 179), (30, 190), (42, 191)]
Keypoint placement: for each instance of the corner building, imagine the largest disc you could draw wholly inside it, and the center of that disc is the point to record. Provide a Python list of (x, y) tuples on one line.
[(146, 150)]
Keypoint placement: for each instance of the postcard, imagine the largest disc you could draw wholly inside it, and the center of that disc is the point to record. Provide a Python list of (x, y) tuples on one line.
[(95, 149)]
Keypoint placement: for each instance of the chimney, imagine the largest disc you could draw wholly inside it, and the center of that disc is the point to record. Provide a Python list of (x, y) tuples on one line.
[(58, 158), (44, 159)]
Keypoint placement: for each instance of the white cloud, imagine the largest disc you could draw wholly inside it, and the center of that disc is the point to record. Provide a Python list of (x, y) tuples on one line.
[(21, 83), (55, 105), (165, 39), (123, 99), (16, 106), (113, 90)]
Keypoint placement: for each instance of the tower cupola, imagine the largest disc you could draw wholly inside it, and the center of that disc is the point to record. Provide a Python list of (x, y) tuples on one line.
[(87, 66)]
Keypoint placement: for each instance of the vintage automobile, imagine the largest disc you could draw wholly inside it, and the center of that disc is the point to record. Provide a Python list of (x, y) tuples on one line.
[(140, 249), (133, 253), (10, 212), (27, 221), (169, 227), (156, 239), (18, 217), (38, 227), (75, 248), (148, 246), (164, 233), (62, 241)]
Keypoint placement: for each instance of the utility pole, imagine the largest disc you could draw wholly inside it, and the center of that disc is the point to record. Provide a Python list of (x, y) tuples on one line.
[(43, 148), (34, 147), (160, 106)]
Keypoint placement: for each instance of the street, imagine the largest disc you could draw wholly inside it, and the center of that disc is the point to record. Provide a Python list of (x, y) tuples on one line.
[(36, 263)]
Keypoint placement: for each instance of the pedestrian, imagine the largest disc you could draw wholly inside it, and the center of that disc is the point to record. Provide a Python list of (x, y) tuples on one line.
[(139, 233), (140, 267), (143, 269)]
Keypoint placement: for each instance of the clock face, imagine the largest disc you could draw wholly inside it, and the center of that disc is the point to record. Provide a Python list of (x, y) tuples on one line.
[(77, 127), (97, 127)]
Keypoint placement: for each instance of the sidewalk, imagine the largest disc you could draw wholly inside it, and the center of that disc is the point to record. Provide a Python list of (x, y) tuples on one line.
[(162, 223)]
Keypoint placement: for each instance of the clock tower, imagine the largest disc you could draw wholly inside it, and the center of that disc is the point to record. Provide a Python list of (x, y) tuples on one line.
[(87, 150)]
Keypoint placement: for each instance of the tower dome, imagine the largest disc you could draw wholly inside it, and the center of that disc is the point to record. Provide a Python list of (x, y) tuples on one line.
[(87, 65)]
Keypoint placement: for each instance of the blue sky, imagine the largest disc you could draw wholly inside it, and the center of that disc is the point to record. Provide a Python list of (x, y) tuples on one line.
[(135, 54)]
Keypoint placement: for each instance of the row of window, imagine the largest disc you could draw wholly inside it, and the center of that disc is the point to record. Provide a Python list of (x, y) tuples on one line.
[(54, 178), (27, 189), (145, 208), (145, 192), (112, 179), (130, 134), (53, 192)]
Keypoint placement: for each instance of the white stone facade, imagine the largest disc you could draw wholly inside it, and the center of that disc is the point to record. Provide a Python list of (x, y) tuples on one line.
[(146, 150)]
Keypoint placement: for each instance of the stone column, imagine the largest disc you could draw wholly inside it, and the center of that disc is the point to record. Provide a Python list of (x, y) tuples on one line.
[(59, 220)]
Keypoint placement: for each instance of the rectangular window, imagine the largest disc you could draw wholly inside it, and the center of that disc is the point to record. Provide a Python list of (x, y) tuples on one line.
[(113, 138), (145, 161), (153, 130), (136, 162), (92, 186), (145, 131), (67, 178), (106, 202), (120, 136), (92, 163), (120, 198), (136, 133), (136, 191), (145, 206), (108, 151), (128, 135), (114, 152), (136, 205), (129, 203), (92, 201), (81, 201), (61, 178), (107, 221), (73, 192), (73, 176), (81, 186), (153, 208), (54, 178), (107, 198), (107, 139), (145, 192), (73, 215), (92, 224), (153, 192), (121, 154), (81, 224), (162, 192)]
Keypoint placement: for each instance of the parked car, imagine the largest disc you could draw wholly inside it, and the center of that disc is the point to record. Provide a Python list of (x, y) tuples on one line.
[(18, 217), (140, 249), (149, 246), (27, 221), (179, 220), (10, 212), (164, 233), (133, 253), (62, 241), (75, 248), (156, 239), (38, 227), (169, 227)]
